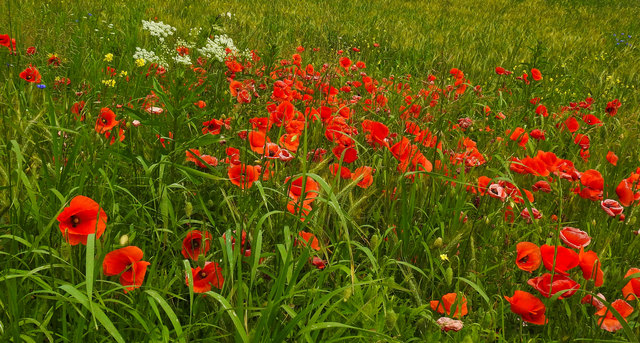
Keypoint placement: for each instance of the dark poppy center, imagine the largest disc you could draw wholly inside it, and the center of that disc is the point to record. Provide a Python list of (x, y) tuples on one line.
[(75, 221), (104, 121), (29, 77), (211, 127), (195, 244), (202, 274), (524, 259)]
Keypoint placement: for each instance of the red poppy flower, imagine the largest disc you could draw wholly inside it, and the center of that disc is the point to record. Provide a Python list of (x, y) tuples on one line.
[(542, 186), (345, 173), (612, 158), (213, 126), (544, 285), (5, 40), (632, 289), (81, 218), (612, 107), (572, 124), (106, 120), (365, 174), (128, 261), (311, 189), (529, 258), (536, 74), (612, 207), (574, 238), (528, 307), (448, 300), (537, 134), (31, 74), (565, 259), (243, 175), (345, 62), (318, 262), (590, 265), (193, 245), (595, 301), (606, 319), (309, 237), (204, 278), (542, 110), (257, 141), (590, 119), (245, 247), (31, 51), (502, 71)]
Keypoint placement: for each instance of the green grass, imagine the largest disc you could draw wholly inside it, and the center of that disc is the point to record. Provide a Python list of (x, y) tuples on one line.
[(389, 249)]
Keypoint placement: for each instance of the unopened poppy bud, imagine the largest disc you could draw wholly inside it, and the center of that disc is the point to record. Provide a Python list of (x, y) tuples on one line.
[(632, 220), (210, 203), (375, 239), (201, 260), (390, 319), (448, 276), (124, 240), (438, 243), (65, 251), (188, 208), (347, 294), (486, 220)]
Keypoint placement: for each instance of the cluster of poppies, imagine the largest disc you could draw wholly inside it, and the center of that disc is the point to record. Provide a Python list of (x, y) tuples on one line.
[(84, 217), (559, 260)]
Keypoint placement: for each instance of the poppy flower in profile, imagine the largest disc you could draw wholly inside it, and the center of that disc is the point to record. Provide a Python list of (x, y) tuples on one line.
[(309, 238), (590, 265), (574, 238), (345, 173), (536, 74), (364, 174), (595, 301), (31, 74), (611, 207), (528, 307), (106, 120), (128, 261), (542, 186), (448, 300), (449, 324), (257, 141), (565, 259), (632, 289), (529, 258), (243, 175), (195, 244), (318, 262), (606, 318), (612, 158), (547, 288), (204, 278), (502, 71), (81, 218)]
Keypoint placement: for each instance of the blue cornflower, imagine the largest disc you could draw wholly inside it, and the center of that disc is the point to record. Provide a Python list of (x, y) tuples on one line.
[(41, 86)]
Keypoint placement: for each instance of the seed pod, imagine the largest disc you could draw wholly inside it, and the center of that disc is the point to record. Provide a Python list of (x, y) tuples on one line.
[(201, 260), (65, 251)]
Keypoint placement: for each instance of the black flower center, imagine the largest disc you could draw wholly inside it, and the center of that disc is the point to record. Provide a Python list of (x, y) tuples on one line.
[(202, 274), (75, 221), (195, 244), (104, 121)]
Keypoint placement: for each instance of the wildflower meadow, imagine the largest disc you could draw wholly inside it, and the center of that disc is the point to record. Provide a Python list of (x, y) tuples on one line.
[(319, 171)]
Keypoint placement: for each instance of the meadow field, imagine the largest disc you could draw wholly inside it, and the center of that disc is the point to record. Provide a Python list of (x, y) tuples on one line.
[(319, 171)]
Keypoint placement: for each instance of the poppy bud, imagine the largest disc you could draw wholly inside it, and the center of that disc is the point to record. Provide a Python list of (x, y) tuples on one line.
[(438, 243), (210, 203), (632, 220), (347, 294), (373, 243), (448, 276), (188, 208), (65, 251), (201, 261), (390, 319), (124, 240)]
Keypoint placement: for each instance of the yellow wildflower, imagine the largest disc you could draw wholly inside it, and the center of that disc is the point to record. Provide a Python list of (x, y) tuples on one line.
[(108, 57)]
